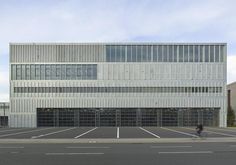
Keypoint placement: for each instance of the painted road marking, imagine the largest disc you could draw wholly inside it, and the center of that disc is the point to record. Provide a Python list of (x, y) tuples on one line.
[(118, 133), (220, 129), (170, 146), (184, 133), (87, 147), (10, 130), (18, 133), (149, 132), (85, 133), (78, 153), (225, 134), (10, 147), (187, 152), (51, 133), (14, 152)]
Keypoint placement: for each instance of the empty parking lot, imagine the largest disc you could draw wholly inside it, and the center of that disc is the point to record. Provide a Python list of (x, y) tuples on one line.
[(111, 132)]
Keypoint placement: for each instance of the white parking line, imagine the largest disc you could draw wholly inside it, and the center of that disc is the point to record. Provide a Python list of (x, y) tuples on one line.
[(170, 146), (51, 133), (79, 153), (85, 133), (87, 147), (225, 134), (10, 147), (149, 132), (14, 152), (187, 152), (10, 130), (222, 129), (184, 133), (118, 133), (18, 133)]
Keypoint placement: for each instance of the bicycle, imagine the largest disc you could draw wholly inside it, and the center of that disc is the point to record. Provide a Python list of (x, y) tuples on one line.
[(200, 135)]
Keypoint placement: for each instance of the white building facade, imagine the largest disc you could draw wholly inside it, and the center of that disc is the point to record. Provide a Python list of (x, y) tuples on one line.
[(117, 84)]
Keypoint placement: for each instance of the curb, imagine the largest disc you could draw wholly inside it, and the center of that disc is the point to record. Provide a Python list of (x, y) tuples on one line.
[(118, 141)]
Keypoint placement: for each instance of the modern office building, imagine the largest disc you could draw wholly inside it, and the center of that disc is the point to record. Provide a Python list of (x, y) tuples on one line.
[(117, 84), (4, 113), (231, 88)]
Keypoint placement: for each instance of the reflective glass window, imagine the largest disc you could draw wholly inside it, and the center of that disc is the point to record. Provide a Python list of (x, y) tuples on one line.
[(191, 57), (27, 72), (212, 52), (32, 72), (155, 53), (134, 53), (165, 53), (58, 72), (123, 52), (63, 72), (47, 72), (139, 53), (113, 54), (84, 72), (13, 72), (42, 72), (222, 53), (185, 53), (217, 54), (175, 53), (170, 54), (23, 72), (108, 53), (79, 72), (201, 54), (129, 54), (144, 54), (206, 53), (196, 53), (118, 53), (37, 72), (160, 53), (18, 72), (181, 53), (149, 53)]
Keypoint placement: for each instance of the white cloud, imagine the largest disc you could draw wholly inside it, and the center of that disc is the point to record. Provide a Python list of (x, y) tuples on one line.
[(4, 85), (4, 97), (79, 21), (231, 69), (4, 78)]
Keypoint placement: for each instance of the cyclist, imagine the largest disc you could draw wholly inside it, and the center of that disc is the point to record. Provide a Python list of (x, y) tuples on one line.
[(199, 129)]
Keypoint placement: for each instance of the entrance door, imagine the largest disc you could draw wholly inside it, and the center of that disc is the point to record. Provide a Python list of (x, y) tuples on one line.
[(47, 117)]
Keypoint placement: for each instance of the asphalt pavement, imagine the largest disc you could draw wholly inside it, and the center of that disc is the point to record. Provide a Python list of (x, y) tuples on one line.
[(112, 132), (104, 154)]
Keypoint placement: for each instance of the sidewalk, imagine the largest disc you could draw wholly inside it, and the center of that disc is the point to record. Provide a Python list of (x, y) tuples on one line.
[(141, 140)]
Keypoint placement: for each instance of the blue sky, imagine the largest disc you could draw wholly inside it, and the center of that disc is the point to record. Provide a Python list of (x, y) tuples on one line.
[(115, 20)]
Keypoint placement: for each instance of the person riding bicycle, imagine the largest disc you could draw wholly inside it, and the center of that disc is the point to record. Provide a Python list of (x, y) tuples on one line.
[(199, 129)]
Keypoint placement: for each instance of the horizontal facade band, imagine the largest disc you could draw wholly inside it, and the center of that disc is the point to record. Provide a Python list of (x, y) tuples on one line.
[(54, 72), (117, 89), (118, 53)]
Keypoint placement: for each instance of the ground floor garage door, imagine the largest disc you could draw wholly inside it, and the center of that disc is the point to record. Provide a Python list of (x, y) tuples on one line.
[(112, 117), (3, 121)]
